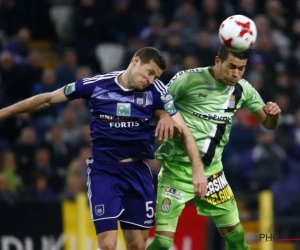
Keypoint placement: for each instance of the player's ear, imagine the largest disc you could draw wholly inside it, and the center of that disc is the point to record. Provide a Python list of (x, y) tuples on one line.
[(135, 60), (218, 61)]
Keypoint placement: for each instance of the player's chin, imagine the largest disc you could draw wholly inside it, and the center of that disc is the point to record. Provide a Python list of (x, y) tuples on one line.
[(231, 83)]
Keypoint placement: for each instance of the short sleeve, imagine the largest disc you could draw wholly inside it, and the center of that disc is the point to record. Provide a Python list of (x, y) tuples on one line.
[(176, 85), (253, 101), (82, 88), (163, 98)]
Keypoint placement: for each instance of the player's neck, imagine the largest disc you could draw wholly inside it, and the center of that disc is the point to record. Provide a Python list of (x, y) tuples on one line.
[(124, 81), (215, 74)]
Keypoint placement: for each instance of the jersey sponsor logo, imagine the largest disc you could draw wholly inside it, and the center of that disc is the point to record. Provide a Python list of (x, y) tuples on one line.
[(180, 73), (173, 194), (129, 124), (166, 98), (89, 161), (166, 204), (218, 189), (170, 107), (213, 117), (70, 88), (99, 210), (140, 98), (122, 121), (148, 221), (162, 224), (123, 109)]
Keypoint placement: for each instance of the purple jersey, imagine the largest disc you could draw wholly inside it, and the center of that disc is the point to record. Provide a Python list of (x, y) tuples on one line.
[(121, 119)]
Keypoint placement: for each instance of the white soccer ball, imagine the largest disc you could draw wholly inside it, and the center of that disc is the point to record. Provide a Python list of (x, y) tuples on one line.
[(238, 33)]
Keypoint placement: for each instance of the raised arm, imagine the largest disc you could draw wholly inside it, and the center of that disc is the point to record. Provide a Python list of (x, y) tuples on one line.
[(35, 103), (269, 115)]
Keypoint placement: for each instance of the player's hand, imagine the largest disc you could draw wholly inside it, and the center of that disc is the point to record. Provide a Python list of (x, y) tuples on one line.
[(200, 184), (272, 109), (166, 127)]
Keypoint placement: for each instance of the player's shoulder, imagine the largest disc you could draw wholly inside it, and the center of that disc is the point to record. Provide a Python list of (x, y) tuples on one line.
[(245, 84), (160, 87), (185, 74), (101, 77)]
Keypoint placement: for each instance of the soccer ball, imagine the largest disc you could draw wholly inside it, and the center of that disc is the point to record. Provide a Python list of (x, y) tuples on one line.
[(238, 33)]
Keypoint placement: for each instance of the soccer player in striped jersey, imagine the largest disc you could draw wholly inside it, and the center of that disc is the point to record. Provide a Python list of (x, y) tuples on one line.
[(123, 104), (207, 99)]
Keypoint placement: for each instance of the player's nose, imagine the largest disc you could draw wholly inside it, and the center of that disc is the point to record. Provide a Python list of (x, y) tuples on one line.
[(150, 79), (235, 73)]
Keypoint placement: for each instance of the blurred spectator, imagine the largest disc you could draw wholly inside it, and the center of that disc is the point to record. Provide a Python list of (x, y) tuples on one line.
[(70, 128), (203, 50), (85, 137), (279, 39), (78, 166), (40, 189), (48, 83), (294, 138), (24, 150), (32, 73), (90, 21), (154, 33), (5, 193), (11, 82), (173, 46), (66, 72), (248, 8), (274, 12), (19, 47), (8, 167), (61, 152), (74, 186), (12, 16), (83, 71), (125, 21), (190, 62), (212, 10), (242, 134), (263, 164), (187, 12), (169, 72)]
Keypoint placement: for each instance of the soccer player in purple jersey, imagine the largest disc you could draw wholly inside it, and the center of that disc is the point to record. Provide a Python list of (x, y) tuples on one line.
[(123, 104)]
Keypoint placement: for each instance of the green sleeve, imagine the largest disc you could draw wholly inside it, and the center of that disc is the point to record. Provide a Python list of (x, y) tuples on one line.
[(177, 85), (253, 102)]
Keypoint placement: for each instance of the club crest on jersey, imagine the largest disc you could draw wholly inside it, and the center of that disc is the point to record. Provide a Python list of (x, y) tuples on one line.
[(231, 103), (166, 204), (140, 98), (99, 210), (123, 109)]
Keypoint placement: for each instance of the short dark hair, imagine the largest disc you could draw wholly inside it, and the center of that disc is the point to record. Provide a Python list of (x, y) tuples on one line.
[(147, 54), (224, 52)]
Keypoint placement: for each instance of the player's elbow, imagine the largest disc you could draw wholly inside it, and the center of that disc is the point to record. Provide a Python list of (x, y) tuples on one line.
[(270, 126), (57, 96)]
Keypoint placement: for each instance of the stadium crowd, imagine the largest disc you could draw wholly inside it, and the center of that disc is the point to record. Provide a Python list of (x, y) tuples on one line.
[(42, 155)]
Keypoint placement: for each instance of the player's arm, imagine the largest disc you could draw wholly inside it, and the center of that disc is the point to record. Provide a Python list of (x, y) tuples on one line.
[(35, 103), (164, 109), (269, 115), (199, 178), (166, 126)]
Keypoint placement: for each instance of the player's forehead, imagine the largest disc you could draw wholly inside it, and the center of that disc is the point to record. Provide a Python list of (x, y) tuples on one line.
[(153, 68), (235, 61)]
